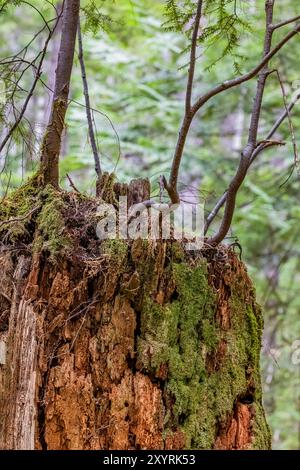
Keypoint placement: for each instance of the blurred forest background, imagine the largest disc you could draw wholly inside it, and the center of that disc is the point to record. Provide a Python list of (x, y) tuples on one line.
[(136, 70)]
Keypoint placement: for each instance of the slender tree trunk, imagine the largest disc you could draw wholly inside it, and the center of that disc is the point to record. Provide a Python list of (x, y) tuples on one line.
[(124, 345), (53, 134)]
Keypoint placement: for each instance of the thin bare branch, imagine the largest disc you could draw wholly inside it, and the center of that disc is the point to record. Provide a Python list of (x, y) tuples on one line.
[(72, 184), (213, 214), (171, 186), (262, 77), (247, 76), (38, 11), (97, 111), (25, 48)]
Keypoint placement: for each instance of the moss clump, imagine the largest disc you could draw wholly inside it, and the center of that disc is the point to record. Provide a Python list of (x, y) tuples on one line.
[(247, 325), (105, 188), (203, 384), (245, 336), (48, 231)]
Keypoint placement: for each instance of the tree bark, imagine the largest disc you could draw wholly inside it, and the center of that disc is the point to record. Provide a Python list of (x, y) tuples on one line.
[(53, 134), (124, 345)]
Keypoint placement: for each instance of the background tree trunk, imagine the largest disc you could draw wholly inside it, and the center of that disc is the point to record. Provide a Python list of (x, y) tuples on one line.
[(117, 345), (53, 134)]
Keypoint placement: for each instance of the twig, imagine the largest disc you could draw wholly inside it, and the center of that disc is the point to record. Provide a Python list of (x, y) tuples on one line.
[(25, 48), (39, 12), (212, 215), (276, 126), (285, 22), (190, 82), (171, 186), (72, 184), (97, 111), (247, 76)]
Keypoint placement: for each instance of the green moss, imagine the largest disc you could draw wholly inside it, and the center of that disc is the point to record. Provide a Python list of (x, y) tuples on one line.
[(177, 252), (185, 335), (246, 332), (105, 188), (248, 322), (261, 432), (49, 219), (116, 250), (254, 329)]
